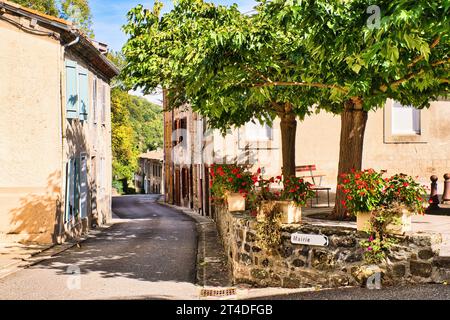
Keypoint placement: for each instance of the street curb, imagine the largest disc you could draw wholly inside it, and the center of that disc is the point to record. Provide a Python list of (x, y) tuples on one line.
[(212, 265), (47, 253)]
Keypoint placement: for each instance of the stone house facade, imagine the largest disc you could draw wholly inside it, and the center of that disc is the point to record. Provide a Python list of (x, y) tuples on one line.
[(55, 145), (149, 177)]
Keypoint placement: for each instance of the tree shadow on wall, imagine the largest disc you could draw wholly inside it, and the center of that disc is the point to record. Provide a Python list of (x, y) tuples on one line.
[(38, 217)]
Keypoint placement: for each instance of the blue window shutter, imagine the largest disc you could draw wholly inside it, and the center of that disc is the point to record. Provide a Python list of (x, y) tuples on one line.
[(83, 82), (71, 90), (76, 187), (69, 190)]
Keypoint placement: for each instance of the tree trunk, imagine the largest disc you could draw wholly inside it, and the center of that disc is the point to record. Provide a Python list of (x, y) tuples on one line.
[(353, 126), (288, 132)]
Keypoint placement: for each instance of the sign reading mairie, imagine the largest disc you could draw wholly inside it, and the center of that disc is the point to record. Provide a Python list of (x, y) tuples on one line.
[(309, 239)]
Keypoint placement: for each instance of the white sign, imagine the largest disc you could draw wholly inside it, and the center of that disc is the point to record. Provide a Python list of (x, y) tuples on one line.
[(309, 239)]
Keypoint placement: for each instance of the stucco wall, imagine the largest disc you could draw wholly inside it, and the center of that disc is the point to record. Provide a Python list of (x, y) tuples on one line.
[(30, 143), (37, 140)]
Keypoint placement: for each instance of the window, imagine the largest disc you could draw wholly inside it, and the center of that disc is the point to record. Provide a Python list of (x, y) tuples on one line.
[(77, 91), (405, 120), (257, 132)]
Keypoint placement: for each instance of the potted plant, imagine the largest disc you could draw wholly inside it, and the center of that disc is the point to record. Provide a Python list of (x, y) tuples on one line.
[(369, 197), (363, 191), (231, 183), (406, 196), (286, 201)]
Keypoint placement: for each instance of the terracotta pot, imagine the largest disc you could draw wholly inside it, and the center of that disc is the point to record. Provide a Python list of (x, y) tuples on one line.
[(363, 223), (290, 213), (235, 201)]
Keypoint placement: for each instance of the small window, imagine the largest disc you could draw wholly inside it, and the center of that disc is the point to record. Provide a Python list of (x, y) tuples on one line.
[(254, 131), (405, 120)]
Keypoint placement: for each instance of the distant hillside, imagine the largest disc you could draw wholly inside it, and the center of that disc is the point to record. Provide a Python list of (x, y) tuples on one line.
[(137, 126)]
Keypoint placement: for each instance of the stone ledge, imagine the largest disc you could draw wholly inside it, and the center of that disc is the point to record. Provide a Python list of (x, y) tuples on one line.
[(414, 259)]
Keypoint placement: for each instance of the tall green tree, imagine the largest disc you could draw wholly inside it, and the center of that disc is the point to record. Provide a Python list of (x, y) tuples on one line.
[(123, 137), (137, 125), (46, 6), (203, 54), (368, 51), (77, 11)]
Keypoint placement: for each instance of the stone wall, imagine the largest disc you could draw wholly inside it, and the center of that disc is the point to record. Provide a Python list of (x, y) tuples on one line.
[(413, 259)]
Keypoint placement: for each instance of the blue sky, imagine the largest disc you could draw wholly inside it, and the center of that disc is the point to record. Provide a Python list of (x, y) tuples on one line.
[(110, 15)]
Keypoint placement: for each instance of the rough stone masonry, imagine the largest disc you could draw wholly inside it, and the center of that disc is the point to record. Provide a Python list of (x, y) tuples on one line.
[(413, 259)]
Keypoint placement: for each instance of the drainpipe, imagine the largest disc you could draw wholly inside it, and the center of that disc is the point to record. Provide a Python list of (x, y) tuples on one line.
[(77, 39)]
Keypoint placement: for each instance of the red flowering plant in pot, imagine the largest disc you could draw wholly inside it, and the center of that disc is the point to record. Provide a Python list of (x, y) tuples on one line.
[(362, 189), (382, 207), (286, 201), (230, 183)]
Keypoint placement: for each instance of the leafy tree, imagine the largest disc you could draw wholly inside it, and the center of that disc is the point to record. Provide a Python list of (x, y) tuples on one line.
[(405, 58), (203, 54), (46, 6), (290, 56), (123, 137), (137, 125), (77, 11)]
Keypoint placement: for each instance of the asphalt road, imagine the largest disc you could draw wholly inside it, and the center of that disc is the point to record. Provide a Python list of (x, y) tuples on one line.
[(149, 253), (410, 292)]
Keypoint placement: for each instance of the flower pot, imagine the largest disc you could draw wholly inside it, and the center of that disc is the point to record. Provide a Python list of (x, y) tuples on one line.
[(236, 202), (405, 223), (290, 213), (363, 222)]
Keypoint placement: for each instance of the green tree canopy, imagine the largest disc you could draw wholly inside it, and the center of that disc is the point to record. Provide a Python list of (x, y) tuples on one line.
[(46, 6), (77, 11)]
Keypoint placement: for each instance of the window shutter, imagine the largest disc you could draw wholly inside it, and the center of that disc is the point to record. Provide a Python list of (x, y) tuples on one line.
[(83, 82), (103, 104), (83, 186), (71, 90), (76, 186), (69, 189)]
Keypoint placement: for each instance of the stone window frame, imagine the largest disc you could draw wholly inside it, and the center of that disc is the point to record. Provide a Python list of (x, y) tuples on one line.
[(269, 144), (393, 138)]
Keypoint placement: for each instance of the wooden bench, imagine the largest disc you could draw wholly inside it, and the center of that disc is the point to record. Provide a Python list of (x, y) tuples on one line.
[(316, 186)]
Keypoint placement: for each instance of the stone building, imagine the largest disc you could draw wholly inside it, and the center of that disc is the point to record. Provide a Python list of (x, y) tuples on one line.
[(186, 178), (150, 175), (55, 145)]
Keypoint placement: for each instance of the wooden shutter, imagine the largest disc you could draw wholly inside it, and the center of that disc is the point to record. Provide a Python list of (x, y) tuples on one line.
[(69, 184), (83, 82), (83, 186), (71, 90), (76, 185)]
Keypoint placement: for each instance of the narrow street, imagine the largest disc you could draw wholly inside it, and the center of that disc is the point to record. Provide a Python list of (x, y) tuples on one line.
[(149, 253)]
